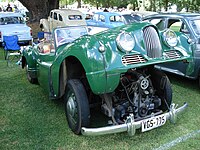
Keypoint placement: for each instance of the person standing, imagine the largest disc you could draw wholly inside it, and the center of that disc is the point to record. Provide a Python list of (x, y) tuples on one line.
[(9, 8)]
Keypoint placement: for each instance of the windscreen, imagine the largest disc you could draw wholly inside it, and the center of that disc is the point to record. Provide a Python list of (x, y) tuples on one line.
[(11, 20), (69, 34)]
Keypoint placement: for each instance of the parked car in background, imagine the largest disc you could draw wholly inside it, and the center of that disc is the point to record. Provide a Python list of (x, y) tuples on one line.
[(131, 18), (115, 68), (62, 17), (14, 24), (110, 19), (145, 13), (186, 26)]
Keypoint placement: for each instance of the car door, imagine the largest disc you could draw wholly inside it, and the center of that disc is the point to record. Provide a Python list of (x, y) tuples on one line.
[(60, 22), (55, 20), (45, 56), (102, 21), (93, 21)]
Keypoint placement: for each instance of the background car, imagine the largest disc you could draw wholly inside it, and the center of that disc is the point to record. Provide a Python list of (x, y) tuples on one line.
[(131, 18), (62, 17), (187, 26), (105, 19), (113, 68), (14, 24), (111, 19)]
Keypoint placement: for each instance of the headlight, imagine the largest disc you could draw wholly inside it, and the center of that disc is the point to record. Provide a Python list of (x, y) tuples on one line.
[(125, 42), (170, 38)]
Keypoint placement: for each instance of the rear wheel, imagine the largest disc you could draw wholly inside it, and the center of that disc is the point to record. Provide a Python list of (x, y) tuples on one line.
[(76, 106), (28, 75), (41, 27)]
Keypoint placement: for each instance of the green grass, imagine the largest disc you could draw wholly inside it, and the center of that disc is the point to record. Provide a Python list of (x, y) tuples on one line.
[(29, 120)]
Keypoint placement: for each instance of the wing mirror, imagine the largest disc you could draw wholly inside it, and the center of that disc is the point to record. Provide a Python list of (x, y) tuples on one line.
[(190, 41)]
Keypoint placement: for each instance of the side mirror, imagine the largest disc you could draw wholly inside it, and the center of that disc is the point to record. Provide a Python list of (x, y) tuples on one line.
[(190, 41)]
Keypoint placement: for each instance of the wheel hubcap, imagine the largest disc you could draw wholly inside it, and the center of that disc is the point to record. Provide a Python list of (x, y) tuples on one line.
[(72, 109)]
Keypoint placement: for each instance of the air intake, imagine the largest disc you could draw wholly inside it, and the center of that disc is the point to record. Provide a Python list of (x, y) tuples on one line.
[(132, 59), (173, 54)]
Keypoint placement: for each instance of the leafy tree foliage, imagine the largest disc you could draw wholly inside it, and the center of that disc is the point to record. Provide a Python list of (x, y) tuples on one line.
[(39, 8)]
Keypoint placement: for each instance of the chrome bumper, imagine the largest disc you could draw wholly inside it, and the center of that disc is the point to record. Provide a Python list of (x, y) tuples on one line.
[(131, 126)]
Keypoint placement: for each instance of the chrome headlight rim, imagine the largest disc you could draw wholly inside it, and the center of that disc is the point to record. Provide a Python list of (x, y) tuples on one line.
[(127, 45), (170, 38)]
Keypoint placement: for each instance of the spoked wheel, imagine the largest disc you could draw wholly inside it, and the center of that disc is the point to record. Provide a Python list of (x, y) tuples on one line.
[(30, 79), (76, 106), (163, 88)]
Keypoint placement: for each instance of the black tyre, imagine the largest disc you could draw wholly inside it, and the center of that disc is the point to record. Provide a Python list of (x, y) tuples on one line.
[(163, 88), (199, 81), (166, 94), (76, 106), (41, 27), (30, 79)]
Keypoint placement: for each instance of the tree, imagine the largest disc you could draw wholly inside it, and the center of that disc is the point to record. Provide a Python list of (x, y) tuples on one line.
[(39, 8)]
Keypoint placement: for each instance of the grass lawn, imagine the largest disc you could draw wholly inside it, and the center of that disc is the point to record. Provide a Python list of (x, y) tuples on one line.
[(29, 120)]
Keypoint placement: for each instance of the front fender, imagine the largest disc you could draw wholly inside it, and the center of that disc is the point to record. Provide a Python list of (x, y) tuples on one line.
[(91, 59)]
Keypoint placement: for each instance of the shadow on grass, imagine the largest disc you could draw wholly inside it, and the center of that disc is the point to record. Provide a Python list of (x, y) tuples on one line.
[(183, 81)]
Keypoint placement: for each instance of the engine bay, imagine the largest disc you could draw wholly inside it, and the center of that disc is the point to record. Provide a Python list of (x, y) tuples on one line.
[(135, 95)]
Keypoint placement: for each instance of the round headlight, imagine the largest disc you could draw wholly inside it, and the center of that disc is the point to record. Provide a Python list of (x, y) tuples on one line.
[(170, 38), (125, 42)]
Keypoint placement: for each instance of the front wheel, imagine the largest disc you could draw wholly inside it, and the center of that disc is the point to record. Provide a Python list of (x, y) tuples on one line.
[(163, 88), (76, 106)]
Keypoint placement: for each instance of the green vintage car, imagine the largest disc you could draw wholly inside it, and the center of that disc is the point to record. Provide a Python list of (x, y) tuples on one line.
[(113, 68)]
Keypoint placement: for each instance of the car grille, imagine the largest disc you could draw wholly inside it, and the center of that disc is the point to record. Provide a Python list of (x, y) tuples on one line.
[(173, 54), (132, 59), (152, 42)]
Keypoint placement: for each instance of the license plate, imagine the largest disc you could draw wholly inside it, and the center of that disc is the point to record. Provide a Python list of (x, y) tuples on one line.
[(153, 122)]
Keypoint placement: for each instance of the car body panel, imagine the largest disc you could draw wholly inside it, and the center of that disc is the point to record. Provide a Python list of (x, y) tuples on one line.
[(104, 66)]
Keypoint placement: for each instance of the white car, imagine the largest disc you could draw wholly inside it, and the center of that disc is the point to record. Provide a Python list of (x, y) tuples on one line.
[(14, 24), (61, 18)]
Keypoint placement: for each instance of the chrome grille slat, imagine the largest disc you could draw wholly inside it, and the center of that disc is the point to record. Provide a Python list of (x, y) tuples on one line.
[(152, 42), (173, 54), (132, 59)]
